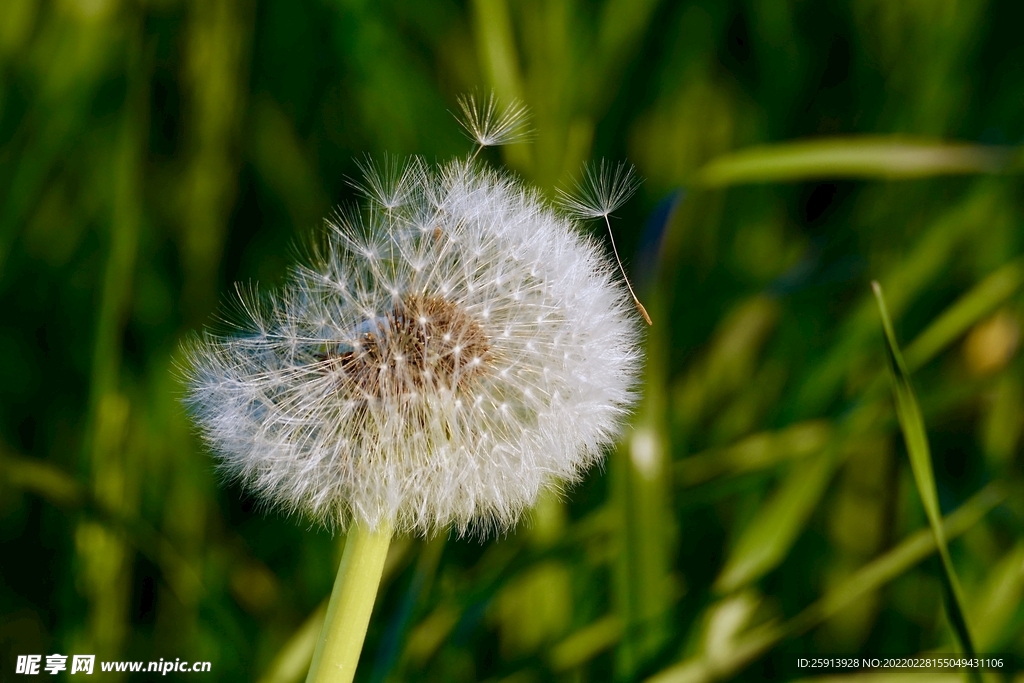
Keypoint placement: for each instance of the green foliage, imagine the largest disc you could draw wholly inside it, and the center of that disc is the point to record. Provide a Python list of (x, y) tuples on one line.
[(759, 508), (912, 423)]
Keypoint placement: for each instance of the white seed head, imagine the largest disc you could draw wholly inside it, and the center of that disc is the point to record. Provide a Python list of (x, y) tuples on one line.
[(450, 350)]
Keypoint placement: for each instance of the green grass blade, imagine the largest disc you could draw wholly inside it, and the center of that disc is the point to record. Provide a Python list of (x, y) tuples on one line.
[(62, 490), (912, 424), (42, 478), (292, 661), (755, 453), (884, 157), (769, 537), (500, 63), (586, 643), (996, 603), (981, 300), (925, 264), (896, 562), (863, 582)]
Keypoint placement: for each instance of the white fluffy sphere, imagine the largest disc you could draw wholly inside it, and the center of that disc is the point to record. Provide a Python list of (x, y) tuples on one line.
[(451, 350)]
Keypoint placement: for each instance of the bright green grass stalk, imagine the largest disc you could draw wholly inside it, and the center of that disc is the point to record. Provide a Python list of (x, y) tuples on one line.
[(348, 613), (909, 413), (867, 156)]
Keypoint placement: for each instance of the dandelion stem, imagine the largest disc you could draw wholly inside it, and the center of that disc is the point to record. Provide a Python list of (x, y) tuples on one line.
[(639, 306), (348, 612)]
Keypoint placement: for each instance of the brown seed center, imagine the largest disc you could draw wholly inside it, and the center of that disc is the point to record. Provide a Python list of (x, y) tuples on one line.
[(424, 343)]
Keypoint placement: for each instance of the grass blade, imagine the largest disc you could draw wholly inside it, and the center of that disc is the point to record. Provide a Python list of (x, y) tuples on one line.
[(981, 300), (292, 661), (885, 157), (769, 537), (869, 578), (754, 453), (912, 424)]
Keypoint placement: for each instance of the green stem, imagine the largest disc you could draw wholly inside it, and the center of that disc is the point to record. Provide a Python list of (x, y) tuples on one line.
[(348, 613)]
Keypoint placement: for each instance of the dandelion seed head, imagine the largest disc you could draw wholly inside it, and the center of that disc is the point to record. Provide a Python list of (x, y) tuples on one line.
[(425, 379)]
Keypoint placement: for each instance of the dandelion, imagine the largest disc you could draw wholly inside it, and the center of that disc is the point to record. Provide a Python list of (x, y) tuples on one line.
[(450, 350)]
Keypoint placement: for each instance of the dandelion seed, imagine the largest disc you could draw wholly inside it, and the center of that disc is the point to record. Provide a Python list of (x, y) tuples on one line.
[(390, 183), (602, 191), (488, 126)]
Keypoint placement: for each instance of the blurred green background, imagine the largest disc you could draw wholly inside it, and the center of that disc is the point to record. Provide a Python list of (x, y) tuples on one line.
[(763, 504)]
